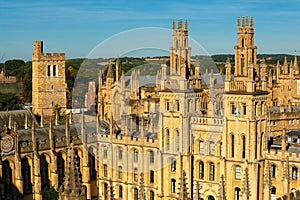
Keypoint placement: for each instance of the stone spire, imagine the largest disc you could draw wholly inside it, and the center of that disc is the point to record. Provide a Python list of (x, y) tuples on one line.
[(183, 189), (296, 66), (228, 69), (285, 65), (246, 185), (142, 193), (72, 188), (109, 75), (118, 69), (222, 191)]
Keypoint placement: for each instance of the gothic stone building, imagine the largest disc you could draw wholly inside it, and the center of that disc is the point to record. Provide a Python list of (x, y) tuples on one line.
[(187, 136)]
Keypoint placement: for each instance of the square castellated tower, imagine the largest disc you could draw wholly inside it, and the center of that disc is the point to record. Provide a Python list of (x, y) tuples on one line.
[(48, 81)]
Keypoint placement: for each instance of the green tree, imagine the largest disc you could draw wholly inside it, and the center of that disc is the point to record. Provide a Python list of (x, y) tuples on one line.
[(49, 193), (9, 101)]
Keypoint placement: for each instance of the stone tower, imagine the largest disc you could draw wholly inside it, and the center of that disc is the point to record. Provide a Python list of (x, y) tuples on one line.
[(48, 81), (180, 52), (246, 121), (245, 50)]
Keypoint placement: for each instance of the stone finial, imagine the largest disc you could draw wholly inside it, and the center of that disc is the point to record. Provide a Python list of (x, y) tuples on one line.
[(186, 25), (180, 25), (72, 187), (110, 73), (252, 22), (247, 21), (174, 25), (243, 22), (239, 22)]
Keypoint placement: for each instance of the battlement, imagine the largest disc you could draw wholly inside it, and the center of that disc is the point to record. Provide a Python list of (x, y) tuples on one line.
[(274, 154), (38, 54)]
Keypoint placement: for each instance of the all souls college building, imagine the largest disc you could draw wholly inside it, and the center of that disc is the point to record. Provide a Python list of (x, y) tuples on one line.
[(188, 136)]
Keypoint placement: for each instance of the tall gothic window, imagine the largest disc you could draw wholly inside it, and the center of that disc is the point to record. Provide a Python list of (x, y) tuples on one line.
[(135, 155), (104, 152), (26, 174), (294, 173), (151, 195), (44, 168), (237, 193), (120, 172), (177, 140), (201, 170), (238, 172), (173, 165), (173, 185), (120, 191), (232, 145), (273, 193), (60, 168), (49, 70), (211, 171), (151, 176), (151, 154), (201, 147), (136, 194), (135, 175), (92, 164), (105, 170), (244, 147), (7, 178), (120, 153), (167, 139), (211, 148), (273, 171), (54, 70)]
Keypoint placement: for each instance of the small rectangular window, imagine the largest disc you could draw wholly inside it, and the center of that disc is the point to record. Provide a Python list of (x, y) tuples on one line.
[(244, 109), (49, 70), (152, 176), (105, 170), (54, 70), (173, 165), (201, 147)]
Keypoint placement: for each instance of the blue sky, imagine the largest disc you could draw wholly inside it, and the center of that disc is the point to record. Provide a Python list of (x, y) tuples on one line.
[(77, 27)]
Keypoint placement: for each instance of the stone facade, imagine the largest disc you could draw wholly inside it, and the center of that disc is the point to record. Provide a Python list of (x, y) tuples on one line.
[(187, 136)]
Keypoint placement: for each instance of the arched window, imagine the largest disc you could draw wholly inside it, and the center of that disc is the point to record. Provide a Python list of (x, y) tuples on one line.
[(273, 193), (211, 148), (211, 171), (237, 193), (151, 176), (44, 169), (244, 146), (232, 145), (135, 175), (7, 179), (49, 70), (238, 172), (151, 154), (105, 191), (173, 164), (151, 195), (120, 153), (201, 170), (167, 139), (26, 174), (136, 155), (120, 191), (104, 152), (105, 170), (92, 164), (60, 168), (54, 70), (120, 172), (211, 198), (177, 140), (273, 171), (201, 147), (294, 173), (173, 185), (136, 194)]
